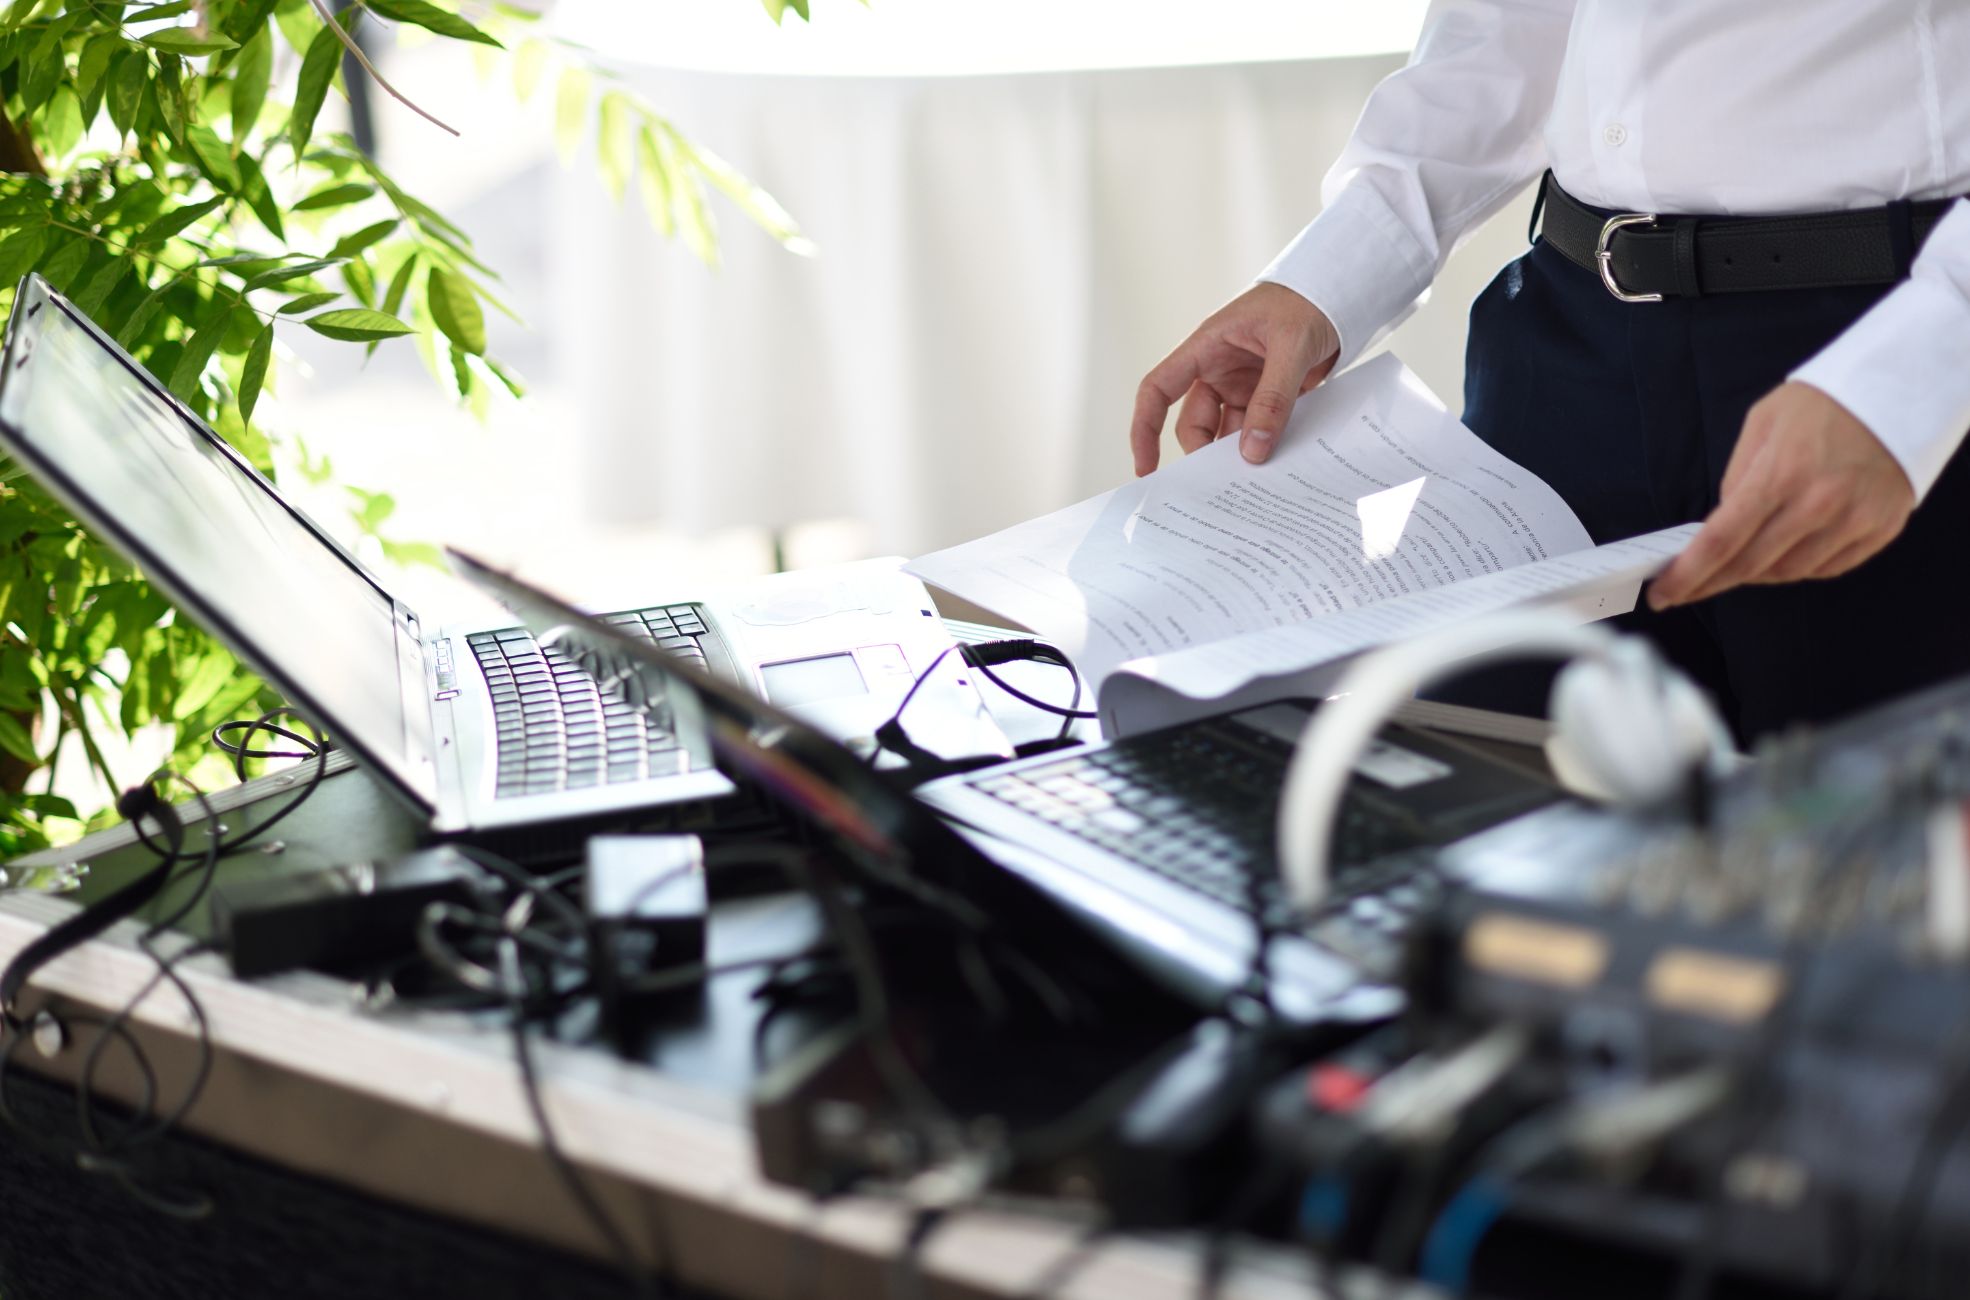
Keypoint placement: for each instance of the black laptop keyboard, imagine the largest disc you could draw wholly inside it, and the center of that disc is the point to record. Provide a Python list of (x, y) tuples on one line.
[(1198, 805), (557, 729)]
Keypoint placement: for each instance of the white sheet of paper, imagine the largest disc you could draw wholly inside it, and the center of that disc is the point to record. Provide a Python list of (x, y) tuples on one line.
[(1375, 493), (1305, 660)]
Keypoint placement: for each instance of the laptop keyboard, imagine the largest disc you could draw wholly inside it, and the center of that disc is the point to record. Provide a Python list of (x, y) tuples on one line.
[(1198, 806), (557, 729)]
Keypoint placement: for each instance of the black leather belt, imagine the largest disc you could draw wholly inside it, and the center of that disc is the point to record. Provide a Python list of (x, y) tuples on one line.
[(1646, 257)]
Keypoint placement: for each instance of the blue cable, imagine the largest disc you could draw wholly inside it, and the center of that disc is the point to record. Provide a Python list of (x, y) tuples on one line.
[(1460, 1228), (1323, 1208)]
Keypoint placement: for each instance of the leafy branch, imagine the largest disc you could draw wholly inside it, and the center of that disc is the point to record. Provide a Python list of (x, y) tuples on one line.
[(160, 164)]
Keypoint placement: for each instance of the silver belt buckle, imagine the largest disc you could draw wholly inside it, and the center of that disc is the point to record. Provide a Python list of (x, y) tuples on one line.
[(1606, 258)]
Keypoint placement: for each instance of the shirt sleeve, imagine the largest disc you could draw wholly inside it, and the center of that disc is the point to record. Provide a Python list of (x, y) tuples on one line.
[(1441, 145), (1901, 368)]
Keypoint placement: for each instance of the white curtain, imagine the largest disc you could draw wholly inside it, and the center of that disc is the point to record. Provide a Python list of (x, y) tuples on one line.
[(1001, 258)]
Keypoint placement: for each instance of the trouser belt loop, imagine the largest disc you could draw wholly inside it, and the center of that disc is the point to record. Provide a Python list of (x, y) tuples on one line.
[(1684, 259), (1901, 235)]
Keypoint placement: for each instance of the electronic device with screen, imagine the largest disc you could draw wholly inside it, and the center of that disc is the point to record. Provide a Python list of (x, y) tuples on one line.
[(1167, 838), (1173, 920), (477, 727)]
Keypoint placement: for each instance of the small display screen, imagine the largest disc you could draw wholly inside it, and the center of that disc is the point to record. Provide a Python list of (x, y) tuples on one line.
[(803, 681)]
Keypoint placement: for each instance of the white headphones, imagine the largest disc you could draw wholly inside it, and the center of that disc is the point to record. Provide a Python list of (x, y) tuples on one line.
[(1627, 725)]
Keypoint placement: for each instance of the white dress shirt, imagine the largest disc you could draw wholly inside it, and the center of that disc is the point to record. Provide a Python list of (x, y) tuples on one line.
[(1730, 107)]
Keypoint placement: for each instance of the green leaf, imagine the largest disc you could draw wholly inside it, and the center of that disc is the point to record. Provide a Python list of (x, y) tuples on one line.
[(393, 297), (570, 111), (174, 221), (777, 9), (461, 371), (214, 159), (254, 189), (612, 143), (198, 350), (357, 325), (372, 509), (19, 252), (126, 89), (15, 740), (317, 70), (700, 233), (50, 805), (755, 202), (133, 329), (183, 40), (60, 123), (297, 23), (60, 269), (306, 302), (165, 94), (103, 282), (42, 70), (213, 671), (455, 310), (428, 16), (355, 242), (335, 196), (506, 377), (409, 553), (248, 19), (529, 61), (292, 271), (92, 69), (361, 280), (254, 373), (253, 70), (653, 175)]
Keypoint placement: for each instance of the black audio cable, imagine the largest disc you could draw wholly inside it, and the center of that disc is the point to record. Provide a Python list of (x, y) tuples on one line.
[(101, 1148)]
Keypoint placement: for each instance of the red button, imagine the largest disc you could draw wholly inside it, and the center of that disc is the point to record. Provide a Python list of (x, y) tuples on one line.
[(1337, 1088)]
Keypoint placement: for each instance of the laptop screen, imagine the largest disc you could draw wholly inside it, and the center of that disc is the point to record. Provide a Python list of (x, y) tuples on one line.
[(94, 430)]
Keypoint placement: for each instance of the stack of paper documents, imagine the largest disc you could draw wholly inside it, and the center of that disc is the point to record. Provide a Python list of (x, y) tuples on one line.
[(1213, 583)]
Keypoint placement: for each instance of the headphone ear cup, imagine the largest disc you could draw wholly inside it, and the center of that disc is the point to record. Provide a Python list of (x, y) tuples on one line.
[(1617, 733), (1630, 728)]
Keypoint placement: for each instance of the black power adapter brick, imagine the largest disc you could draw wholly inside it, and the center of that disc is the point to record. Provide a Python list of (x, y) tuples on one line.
[(342, 920), (646, 904)]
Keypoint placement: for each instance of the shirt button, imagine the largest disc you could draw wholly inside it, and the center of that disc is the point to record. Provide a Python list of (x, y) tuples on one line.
[(1616, 135)]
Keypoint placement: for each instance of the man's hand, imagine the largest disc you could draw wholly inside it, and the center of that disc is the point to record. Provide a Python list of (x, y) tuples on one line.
[(1810, 493), (1242, 368)]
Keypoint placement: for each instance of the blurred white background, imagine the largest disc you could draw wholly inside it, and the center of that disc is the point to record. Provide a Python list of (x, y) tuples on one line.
[(1017, 207)]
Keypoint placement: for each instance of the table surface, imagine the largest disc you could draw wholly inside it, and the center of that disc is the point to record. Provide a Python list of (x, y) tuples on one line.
[(426, 1110)]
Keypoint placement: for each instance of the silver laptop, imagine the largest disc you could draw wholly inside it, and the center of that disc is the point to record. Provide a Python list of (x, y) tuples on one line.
[(476, 727)]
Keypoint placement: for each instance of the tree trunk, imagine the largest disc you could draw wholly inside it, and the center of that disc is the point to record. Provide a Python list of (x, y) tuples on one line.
[(17, 152)]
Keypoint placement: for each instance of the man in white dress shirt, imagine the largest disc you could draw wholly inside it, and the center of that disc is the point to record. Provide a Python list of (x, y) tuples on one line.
[(1749, 303)]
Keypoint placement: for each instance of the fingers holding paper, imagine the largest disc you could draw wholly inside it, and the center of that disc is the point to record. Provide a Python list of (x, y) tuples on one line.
[(1243, 369), (1810, 492)]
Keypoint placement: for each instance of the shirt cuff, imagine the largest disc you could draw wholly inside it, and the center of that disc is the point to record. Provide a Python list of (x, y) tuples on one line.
[(1359, 264), (1900, 371)]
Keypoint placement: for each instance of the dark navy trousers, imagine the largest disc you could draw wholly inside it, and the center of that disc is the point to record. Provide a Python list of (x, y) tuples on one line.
[(1630, 412)]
